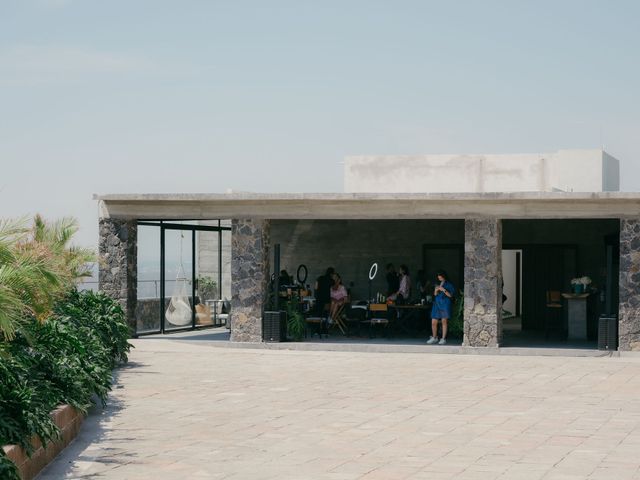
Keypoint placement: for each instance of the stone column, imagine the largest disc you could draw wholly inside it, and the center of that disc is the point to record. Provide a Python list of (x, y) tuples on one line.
[(629, 307), (249, 277), (482, 282), (118, 268)]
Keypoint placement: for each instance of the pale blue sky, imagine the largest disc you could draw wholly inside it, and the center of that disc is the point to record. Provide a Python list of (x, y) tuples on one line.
[(201, 96)]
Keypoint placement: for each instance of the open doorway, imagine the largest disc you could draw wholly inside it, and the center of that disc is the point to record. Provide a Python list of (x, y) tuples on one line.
[(512, 290), (555, 258)]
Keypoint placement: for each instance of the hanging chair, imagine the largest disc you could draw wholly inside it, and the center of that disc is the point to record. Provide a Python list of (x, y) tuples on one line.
[(179, 311)]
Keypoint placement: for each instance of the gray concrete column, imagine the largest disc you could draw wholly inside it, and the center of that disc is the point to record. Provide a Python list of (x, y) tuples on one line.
[(629, 308), (482, 282), (249, 277), (118, 268)]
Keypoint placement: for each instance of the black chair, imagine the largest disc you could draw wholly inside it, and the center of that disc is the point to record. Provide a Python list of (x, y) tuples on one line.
[(378, 314)]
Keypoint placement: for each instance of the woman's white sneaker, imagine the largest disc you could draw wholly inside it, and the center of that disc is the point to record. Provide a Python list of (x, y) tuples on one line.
[(432, 341), (442, 342)]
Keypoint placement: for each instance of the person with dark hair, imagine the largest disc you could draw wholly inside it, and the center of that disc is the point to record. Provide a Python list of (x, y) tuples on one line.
[(322, 290), (441, 310), (393, 281), (421, 285), (404, 288), (284, 279), (338, 294)]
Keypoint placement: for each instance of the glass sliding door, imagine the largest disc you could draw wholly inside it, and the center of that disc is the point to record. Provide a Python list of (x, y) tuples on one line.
[(148, 307), (184, 275), (178, 281), (207, 297)]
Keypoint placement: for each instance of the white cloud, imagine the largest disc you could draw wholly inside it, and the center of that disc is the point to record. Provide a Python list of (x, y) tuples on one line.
[(35, 64)]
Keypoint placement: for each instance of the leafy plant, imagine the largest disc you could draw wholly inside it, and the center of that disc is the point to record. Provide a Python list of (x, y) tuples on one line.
[(37, 266), (67, 359), (8, 469), (455, 327), (207, 287), (296, 325)]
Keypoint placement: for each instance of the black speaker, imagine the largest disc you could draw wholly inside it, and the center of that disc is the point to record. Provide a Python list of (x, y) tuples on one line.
[(608, 332), (274, 326)]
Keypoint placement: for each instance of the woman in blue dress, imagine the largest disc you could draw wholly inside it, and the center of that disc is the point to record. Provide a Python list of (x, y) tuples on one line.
[(441, 310)]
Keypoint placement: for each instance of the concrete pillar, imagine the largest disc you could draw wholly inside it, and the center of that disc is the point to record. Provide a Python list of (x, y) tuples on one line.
[(118, 268), (482, 282), (629, 308), (249, 277)]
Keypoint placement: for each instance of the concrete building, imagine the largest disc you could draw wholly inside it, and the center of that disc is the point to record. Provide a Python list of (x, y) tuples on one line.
[(557, 224), (563, 171)]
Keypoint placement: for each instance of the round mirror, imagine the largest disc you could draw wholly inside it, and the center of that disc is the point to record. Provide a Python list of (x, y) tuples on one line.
[(302, 273), (373, 271)]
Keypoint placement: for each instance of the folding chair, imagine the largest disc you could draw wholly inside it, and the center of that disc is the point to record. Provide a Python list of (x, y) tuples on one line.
[(337, 319), (319, 321), (378, 315)]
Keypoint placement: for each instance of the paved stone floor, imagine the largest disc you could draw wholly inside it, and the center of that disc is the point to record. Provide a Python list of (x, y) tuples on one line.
[(183, 409)]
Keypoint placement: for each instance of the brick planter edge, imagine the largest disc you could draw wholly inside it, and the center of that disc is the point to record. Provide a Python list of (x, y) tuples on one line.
[(68, 420)]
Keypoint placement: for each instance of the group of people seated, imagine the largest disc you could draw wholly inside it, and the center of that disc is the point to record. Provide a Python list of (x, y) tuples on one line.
[(331, 295), (399, 291)]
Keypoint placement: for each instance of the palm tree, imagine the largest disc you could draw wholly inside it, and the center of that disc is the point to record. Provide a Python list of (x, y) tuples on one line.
[(37, 266)]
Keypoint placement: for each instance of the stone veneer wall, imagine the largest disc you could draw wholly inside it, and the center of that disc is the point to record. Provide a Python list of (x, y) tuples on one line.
[(629, 308), (118, 270), (250, 276), (482, 282)]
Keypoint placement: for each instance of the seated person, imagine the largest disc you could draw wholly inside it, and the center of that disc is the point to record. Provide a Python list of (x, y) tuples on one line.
[(422, 285), (284, 279), (393, 281), (322, 290), (339, 295), (404, 289)]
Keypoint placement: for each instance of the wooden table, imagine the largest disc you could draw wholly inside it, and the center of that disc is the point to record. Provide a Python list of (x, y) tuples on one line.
[(576, 315)]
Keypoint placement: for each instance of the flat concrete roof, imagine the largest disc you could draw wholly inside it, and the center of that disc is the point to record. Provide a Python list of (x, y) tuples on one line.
[(518, 205)]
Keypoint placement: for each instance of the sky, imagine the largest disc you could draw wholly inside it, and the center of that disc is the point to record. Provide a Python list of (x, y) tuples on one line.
[(153, 96)]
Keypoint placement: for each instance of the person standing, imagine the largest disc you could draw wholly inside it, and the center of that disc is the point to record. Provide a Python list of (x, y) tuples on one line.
[(442, 307)]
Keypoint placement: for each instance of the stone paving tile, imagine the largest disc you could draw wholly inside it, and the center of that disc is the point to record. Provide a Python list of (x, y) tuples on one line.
[(182, 409)]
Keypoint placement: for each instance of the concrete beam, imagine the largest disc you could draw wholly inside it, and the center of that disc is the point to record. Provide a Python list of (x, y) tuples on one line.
[(372, 206)]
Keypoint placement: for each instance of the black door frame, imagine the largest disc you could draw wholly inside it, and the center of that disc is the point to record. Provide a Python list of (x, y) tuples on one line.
[(164, 226)]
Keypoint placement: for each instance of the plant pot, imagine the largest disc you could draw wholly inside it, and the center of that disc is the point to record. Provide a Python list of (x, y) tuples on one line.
[(578, 289)]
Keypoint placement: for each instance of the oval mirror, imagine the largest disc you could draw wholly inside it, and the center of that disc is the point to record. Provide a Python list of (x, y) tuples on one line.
[(302, 273), (373, 271)]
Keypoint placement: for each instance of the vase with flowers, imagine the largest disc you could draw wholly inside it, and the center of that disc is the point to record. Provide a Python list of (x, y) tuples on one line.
[(579, 285)]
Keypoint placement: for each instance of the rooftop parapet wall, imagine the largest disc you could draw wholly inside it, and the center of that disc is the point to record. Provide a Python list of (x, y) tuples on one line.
[(565, 170)]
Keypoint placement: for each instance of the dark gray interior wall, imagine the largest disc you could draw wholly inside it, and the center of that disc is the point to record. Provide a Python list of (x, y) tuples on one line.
[(587, 235), (351, 246)]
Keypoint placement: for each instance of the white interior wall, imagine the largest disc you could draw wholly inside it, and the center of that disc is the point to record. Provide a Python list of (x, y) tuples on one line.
[(509, 277)]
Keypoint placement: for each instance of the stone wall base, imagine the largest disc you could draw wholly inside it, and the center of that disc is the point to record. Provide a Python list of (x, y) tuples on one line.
[(68, 420)]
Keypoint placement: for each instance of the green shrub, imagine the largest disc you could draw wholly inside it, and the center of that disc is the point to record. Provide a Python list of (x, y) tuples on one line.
[(457, 318), (67, 359), (296, 324)]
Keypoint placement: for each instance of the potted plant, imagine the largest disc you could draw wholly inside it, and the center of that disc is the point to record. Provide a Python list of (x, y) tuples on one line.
[(207, 288), (586, 282), (296, 324), (580, 284)]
